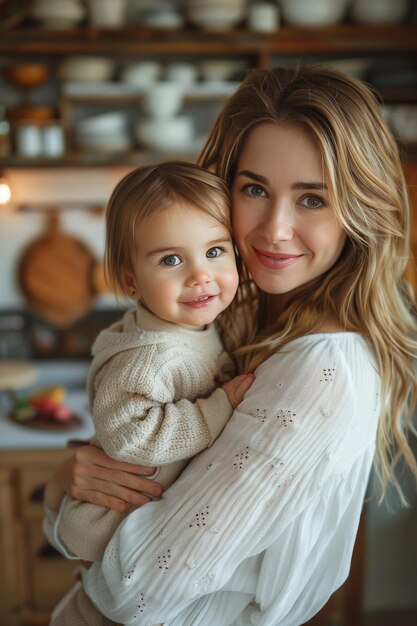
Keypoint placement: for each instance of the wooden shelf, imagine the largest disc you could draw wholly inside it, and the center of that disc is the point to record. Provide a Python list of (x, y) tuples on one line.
[(353, 39), (87, 159)]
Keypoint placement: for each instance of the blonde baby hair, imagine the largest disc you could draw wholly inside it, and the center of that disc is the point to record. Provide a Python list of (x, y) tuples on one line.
[(152, 188)]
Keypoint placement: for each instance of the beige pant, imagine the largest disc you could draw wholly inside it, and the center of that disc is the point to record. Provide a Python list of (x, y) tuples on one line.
[(76, 609)]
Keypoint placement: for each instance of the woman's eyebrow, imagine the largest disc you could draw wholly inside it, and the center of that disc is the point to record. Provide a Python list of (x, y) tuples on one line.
[(309, 185), (253, 175)]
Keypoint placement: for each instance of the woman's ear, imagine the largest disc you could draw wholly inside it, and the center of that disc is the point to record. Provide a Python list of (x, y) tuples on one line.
[(129, 283)]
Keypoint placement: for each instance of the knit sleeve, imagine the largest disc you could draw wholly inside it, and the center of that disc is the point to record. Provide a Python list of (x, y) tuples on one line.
[(298, 438), (138, 420)]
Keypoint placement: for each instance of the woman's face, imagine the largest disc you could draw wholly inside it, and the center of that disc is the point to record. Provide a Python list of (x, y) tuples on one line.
[(286, 230)]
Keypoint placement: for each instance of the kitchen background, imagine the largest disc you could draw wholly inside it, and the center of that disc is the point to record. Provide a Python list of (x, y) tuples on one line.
[(89, 89)]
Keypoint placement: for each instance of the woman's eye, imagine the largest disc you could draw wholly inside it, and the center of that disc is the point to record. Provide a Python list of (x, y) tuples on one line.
[(255, 191), (171, 260), (214, 252), (312, 202)]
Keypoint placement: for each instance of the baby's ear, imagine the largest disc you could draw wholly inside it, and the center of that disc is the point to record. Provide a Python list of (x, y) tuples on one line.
[(129, 284)]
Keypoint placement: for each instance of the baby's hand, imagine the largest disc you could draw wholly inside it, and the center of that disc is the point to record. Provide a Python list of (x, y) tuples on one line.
[(237, 387)]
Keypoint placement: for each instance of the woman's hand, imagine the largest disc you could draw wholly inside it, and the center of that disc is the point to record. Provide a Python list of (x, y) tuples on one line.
[(92, 476), (237, 387)]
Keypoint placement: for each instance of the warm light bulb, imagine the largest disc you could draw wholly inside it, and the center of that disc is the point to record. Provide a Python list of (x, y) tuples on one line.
[(5, 191)]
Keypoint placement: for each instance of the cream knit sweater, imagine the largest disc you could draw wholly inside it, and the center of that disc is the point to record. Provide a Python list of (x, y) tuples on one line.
[(152, 394)]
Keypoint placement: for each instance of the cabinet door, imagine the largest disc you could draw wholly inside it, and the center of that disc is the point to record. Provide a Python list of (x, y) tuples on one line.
[(51, 575), (9, 580), (32, 482)]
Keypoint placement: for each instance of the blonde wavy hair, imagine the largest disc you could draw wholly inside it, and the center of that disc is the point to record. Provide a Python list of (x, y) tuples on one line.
[(365, 290), (149, 189)]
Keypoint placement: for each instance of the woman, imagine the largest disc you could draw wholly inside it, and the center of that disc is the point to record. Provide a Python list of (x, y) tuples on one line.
[(259, 529)]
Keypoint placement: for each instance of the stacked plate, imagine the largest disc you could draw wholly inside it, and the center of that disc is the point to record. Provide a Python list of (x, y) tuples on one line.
[(62, 14), (90, 69), (216, 14), (105, 132)]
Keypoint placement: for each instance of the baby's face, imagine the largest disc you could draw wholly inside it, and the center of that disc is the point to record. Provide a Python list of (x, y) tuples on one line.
[(184, 266)]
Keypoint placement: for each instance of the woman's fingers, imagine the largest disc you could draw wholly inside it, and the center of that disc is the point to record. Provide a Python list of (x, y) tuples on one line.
[(237, 387), (123, 485), (91, 476), (116, 473), (107, 494), (96, 456)]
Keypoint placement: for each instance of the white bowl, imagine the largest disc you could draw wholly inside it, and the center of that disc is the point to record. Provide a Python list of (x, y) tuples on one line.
[(241, 4), (217, 19), (107, 13), (182, 73), (86, 68), (142, 73), (317, 13), (220, 69), (104, 143), (197, 4), (163, 99), (379, 11), (163, 18), (71, 9), (167, 135), (112, 123), (63, 14)]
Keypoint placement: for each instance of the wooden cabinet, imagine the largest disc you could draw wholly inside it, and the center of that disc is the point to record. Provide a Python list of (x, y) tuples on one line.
[(34, 577)]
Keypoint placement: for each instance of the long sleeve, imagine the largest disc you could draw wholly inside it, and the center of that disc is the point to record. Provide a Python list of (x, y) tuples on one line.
[(152, 405), (151, 387), (275, 494), (145, 417)]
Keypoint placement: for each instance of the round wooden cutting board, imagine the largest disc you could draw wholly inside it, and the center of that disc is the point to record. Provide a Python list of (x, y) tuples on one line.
[(55, 274)]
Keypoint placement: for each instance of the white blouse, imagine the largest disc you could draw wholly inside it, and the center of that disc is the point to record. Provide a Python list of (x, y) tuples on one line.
[(258, 529)]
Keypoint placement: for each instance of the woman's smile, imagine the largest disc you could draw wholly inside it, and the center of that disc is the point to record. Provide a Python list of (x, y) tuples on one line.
[(276, 260)]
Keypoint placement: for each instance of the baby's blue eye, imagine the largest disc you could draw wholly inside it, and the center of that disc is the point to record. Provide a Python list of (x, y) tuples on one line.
[(214, 252), (171, 260)]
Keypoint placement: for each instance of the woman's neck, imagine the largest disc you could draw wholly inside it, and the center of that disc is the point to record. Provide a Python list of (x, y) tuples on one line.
[(274, 309)]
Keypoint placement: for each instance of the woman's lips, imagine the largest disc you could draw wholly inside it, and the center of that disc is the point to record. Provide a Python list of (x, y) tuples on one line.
[(276, 260)]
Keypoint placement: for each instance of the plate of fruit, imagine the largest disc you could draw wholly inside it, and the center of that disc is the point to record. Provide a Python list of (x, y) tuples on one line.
[(45, 409)]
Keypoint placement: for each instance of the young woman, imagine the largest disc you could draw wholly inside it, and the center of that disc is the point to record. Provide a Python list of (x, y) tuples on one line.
[(259, 529)]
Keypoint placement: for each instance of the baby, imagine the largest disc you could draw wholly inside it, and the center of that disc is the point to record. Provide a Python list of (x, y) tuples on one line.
[(159, 386)]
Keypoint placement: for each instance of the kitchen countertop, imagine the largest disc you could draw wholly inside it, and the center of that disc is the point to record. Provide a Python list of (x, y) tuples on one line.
[(72, 376)]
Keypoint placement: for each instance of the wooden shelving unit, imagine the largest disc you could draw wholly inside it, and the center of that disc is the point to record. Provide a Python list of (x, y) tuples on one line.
[(257, 50)]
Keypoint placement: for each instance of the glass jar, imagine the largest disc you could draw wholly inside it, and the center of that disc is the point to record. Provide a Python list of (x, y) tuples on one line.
[(5, 133)]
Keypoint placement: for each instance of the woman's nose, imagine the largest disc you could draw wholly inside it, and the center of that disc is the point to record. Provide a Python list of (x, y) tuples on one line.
[(280, 225)]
